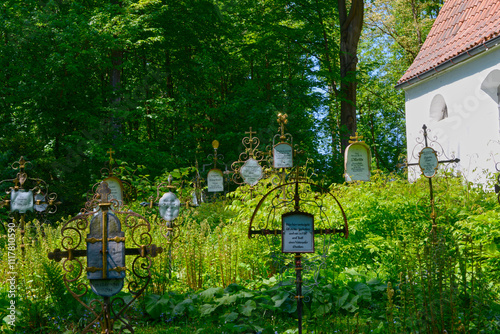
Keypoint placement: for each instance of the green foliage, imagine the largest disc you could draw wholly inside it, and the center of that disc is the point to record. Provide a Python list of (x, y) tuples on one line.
[(392, 275)]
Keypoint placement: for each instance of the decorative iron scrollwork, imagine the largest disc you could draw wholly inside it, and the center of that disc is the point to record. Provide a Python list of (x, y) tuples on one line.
[(106, 253)]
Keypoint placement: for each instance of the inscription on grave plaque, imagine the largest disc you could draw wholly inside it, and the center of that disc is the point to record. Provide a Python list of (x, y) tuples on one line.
[(116, 187), (215, 181), (21, 201), (357, 162), (283, 156), (106, 281), (298, 233), (428, 162), (251, 172)]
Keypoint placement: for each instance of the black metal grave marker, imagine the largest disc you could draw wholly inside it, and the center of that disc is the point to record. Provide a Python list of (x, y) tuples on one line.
[(299, 228)]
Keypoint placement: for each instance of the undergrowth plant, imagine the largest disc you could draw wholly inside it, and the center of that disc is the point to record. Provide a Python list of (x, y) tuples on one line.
[(394, 274)]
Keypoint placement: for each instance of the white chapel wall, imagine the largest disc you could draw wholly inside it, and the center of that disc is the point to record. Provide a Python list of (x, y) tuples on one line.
[(470, 129)]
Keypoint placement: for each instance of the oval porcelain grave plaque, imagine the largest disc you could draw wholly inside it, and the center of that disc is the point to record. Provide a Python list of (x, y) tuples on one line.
[(21, 201), (215, 181), (283, 156), (297, 232), (169, 206), (428, 162), (357, 162), (251, 172)]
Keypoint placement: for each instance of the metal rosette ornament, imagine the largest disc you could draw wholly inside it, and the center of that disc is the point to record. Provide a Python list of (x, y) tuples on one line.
[(248, 168), (27, 198), (301, 218), (99, 236)]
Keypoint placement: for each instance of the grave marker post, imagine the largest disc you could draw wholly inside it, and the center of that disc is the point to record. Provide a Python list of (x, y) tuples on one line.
[(167, 206)]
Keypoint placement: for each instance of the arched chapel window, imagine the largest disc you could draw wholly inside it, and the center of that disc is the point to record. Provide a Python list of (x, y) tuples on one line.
[(491, 86), (439, 109)]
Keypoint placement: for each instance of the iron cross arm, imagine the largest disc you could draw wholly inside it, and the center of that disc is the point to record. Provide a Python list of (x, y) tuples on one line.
[(456, 160), (316, 231), (57, 255)]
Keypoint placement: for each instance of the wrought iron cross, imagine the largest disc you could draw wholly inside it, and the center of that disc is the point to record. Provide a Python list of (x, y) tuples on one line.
[(431, 192), (144, 251)]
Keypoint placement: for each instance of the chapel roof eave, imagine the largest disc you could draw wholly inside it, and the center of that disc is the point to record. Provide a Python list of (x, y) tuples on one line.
[(466, 55)]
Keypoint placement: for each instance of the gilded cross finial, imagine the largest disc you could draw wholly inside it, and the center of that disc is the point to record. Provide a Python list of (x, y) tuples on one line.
[(110, 152), (250, 141), (22, 163), (215, 145), (250, 133), (282, 120), (356, 139)]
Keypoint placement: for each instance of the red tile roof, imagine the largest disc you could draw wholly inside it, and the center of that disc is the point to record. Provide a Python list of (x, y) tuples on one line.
[(460, 26)]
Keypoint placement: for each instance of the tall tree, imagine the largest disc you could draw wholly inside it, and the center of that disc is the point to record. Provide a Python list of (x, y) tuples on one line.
[(393, 34), (351, 24)]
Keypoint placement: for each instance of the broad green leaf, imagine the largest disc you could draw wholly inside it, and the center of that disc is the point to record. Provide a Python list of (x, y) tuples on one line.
[(210, 293), (280, 298), (206, 309), (363, 291), (247, 308), (341, 301), (226, 300), (230, 317)]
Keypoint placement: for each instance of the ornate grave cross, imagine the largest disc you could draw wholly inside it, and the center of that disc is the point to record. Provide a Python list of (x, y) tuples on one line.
[(298, 228), (282, 152), (216, 180), (357, 160), (428, 162), (120, 190), (106, 251), (248, 168), (110, 152), (27, 195), (166, 205)]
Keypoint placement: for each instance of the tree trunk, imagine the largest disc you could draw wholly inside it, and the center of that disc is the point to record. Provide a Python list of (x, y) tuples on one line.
[(351, 24)]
